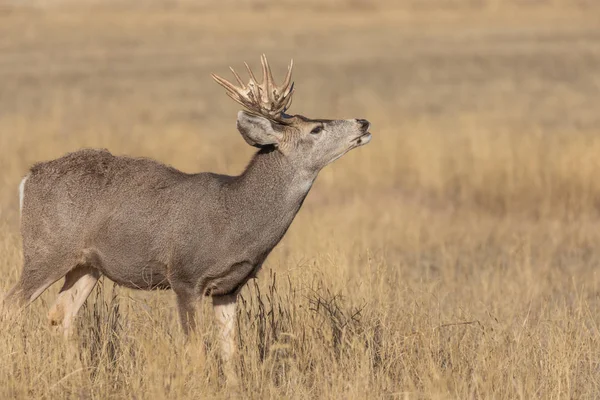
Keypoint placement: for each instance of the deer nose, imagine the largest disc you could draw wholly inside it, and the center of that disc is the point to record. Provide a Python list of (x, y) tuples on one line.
[(364, 124)]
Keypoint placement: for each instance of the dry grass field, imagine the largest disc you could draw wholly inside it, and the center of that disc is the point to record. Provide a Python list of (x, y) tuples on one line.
[(454, 257)]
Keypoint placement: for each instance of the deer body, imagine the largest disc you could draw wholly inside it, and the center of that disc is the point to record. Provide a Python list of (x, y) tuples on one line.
[(148, 226)]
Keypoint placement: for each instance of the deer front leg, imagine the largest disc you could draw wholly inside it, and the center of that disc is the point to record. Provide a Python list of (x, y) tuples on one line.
[(225, 307), (186, 304)]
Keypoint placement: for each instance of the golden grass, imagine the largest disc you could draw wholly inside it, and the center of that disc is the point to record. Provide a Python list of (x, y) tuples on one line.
[(453, 257)]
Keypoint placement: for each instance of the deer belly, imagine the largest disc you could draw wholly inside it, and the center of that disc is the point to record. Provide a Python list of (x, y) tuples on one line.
[(146, 277), (128, 270)]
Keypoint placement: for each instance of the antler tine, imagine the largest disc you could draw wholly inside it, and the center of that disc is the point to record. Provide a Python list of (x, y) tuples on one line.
[(268, 83), (233, 91), (237, 77), (252, 78), (253, 84), (225, 83), (288, 78), (288, 101)]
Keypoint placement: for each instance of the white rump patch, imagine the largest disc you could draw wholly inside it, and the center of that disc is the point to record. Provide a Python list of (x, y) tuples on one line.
[(22, 193)]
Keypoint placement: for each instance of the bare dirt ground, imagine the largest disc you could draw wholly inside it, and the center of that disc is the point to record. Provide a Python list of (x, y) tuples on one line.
[(455, 256)]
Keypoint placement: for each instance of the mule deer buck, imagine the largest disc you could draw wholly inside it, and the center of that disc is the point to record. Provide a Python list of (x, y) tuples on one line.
[(145, 225)]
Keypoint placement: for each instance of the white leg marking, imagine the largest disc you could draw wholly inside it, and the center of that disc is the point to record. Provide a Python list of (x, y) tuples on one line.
[(224, 307), (81, 290), (69, 301), (22, 193)]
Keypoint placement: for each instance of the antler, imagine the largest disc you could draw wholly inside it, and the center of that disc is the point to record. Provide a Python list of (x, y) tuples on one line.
[(265, 98)]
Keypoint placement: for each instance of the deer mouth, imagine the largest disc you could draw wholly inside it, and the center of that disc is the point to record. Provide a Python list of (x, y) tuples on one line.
[(362, 139)]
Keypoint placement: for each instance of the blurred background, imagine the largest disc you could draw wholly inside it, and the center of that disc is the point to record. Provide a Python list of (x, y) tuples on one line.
[(467, 231)]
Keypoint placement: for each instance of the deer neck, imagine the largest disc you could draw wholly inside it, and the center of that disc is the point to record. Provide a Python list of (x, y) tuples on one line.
[(271, 190)]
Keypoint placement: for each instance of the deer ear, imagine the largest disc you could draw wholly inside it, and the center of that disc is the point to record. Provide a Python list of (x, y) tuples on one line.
[(258, 131)]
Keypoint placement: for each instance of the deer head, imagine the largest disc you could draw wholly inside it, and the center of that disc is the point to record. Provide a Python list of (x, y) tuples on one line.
[(308, 143)]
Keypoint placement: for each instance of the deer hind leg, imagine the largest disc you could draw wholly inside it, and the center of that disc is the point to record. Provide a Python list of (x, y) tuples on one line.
[(78, 285), (35, 278), (225, 309), (24, 293)]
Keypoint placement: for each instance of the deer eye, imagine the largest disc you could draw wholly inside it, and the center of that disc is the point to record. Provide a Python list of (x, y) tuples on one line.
[(316, 130)]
